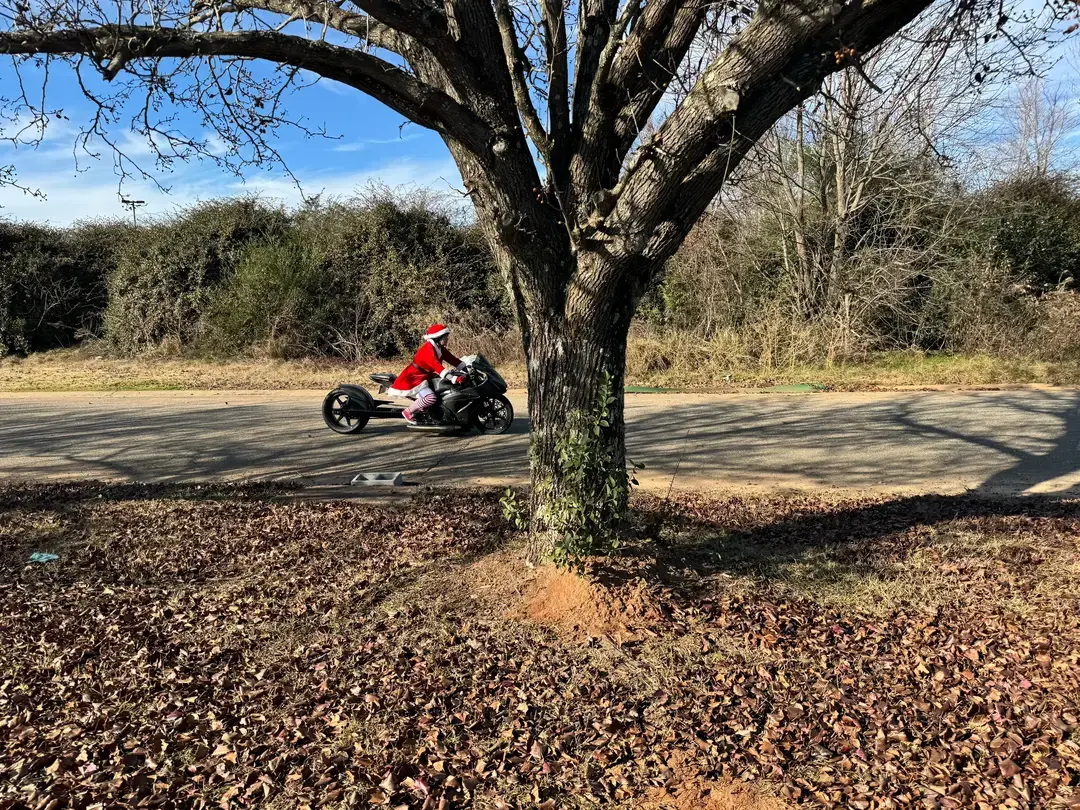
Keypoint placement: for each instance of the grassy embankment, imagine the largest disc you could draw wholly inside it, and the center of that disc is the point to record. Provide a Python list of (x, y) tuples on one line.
[(650, 363)]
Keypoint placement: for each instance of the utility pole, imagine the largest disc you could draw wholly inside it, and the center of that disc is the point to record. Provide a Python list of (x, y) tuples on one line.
[(132, 204)]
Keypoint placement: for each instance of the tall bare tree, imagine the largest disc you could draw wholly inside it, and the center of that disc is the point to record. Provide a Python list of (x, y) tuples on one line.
[(515, 88), (1042, 118), (858, 163)]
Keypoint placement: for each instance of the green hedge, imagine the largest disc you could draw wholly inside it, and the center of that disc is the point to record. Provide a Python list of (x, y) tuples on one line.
[(363, 278), (1032, 226), (164, 279), (52, 284), (238, 276), (352, 281)]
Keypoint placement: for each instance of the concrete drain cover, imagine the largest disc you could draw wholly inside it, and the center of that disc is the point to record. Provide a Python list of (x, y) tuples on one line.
[(385, 479)]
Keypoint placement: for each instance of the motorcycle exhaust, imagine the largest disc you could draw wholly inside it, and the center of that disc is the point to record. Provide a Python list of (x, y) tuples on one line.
[(434, 428)]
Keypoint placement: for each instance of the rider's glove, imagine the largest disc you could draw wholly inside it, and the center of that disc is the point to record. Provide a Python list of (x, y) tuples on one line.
[(458, 379)]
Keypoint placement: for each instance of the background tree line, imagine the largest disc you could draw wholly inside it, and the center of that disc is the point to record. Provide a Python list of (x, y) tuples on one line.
[(919, 219), (865, 223), (243, 277)]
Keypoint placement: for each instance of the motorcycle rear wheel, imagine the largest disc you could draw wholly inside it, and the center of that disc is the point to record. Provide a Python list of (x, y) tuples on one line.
[(334, 411)]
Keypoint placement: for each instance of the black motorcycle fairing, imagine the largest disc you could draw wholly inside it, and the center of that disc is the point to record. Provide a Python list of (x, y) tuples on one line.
[(458, 401), (494, 384)]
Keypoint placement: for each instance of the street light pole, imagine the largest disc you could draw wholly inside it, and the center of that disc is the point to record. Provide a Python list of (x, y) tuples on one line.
[(132, 204)]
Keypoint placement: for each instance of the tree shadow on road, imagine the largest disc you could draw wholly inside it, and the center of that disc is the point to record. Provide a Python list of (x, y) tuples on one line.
[(250, 442), (688, 542), (877, 441), (1029, 468)]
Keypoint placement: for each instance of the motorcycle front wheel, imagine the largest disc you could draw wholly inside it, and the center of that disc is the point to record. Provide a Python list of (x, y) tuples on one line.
[(496, 416)]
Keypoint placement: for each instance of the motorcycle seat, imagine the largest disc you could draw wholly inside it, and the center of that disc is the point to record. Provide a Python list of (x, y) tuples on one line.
[(384, 379)]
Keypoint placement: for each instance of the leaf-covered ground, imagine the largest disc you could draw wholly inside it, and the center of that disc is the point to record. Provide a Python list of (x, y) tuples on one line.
[(222, 647)]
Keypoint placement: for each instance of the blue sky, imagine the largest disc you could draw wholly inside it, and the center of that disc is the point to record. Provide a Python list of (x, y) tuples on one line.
[(368, 144)]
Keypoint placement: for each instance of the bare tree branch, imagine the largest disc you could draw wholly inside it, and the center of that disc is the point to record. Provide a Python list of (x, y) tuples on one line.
[(361, 26), (516, 62), (598, 36), (776, 62), (394, 87), (558, 101), (650, 61)]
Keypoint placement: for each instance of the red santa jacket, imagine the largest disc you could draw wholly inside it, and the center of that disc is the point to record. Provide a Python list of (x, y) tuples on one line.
[(427, 363)]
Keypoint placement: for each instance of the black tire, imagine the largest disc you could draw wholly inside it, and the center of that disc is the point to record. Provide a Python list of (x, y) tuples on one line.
[(497, 417), (336, 420)]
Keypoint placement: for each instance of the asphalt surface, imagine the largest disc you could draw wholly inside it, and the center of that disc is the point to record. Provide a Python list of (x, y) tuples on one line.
[(993, 441)]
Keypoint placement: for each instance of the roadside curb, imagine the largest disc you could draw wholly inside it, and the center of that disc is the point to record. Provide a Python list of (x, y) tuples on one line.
[(346, 492)]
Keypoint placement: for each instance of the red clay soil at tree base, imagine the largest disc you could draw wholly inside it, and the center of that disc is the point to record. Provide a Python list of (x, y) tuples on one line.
[(575, 606), (701, 795)]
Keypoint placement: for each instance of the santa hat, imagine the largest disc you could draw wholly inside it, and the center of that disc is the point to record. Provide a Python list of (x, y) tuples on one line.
[(436, 331)]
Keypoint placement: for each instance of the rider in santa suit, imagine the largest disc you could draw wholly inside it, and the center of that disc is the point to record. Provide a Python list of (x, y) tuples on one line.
[(427, 363)]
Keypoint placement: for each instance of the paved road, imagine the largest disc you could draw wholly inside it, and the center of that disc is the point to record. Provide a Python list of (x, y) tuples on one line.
[(1004, 441)]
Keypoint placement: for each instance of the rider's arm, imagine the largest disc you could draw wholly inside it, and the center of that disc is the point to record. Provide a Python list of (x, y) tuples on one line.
[(452, 361)]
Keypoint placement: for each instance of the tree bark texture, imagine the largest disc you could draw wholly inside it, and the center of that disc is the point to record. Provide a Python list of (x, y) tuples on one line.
[(570, 357)]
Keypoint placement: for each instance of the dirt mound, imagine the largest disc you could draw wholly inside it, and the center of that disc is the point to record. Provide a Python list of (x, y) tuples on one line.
[(698, 794), (575, 605), (687, 790)]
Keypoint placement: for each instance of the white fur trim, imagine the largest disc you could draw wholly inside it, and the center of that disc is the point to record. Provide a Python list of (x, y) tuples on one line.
[(400, 392)]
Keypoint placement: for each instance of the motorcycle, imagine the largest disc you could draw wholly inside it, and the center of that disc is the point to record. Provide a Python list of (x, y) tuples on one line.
[(479, 403)]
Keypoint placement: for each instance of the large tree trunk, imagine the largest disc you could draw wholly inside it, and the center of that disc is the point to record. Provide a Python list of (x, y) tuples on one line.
[(573, 360), (567, 392)]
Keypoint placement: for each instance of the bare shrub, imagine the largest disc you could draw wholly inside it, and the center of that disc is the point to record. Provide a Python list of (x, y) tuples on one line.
[(1057, 334)]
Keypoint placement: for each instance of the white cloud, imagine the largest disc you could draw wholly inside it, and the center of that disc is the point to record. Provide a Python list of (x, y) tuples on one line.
[(136, 146), (367, 143), (216, 145), (439, 175), (336, 88), (25, 131), (92, 193), (72, 196)]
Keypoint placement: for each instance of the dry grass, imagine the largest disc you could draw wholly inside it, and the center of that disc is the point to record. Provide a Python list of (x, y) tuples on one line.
[(678, 362), (685, 361), (83, 370)]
